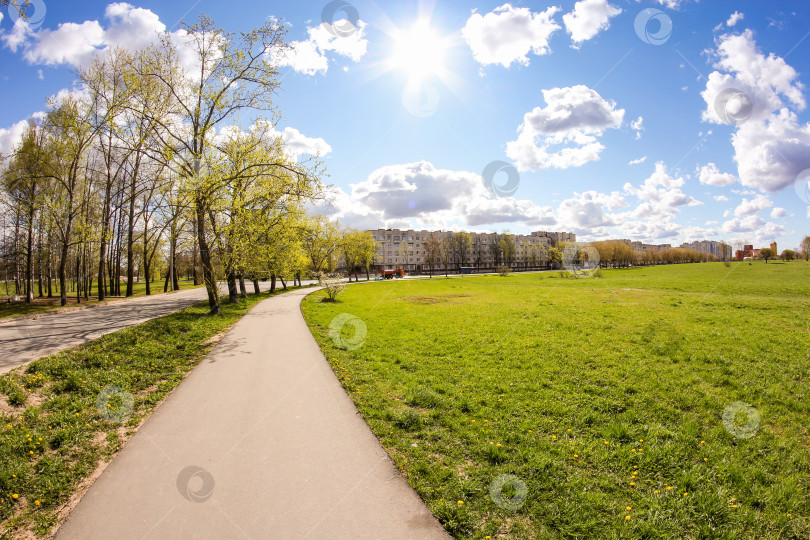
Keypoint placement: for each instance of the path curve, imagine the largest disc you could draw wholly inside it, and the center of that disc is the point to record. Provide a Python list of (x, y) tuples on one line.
[(259, 441)]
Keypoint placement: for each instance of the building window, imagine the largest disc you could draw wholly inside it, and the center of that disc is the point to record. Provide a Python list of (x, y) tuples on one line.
[(396, 238)]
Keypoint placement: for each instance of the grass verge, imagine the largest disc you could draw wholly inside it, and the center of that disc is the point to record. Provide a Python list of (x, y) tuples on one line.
[(64, 416), (531, 406)]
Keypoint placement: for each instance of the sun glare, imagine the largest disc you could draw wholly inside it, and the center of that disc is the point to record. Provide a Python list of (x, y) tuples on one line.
[(418, 52)]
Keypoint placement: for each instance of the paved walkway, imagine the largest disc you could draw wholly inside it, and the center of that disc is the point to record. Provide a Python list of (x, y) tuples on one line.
[(259, 441), (24, 340)]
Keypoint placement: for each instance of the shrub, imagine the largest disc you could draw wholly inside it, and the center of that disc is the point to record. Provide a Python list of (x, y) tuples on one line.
[(332, 286), (727, 263), (503, 270)]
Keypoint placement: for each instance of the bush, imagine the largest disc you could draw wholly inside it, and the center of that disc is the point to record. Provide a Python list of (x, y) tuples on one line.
[(503, 270), (727, 263), (332, 286)]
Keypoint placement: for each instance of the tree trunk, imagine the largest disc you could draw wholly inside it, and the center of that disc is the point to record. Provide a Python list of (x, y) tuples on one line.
[(29, 265), (256, 289), (273, 283), (205, 259), (283, 283), (233, 294), (242, 288)]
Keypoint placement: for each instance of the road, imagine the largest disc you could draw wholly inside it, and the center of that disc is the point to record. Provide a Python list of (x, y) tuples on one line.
[(24, 340)]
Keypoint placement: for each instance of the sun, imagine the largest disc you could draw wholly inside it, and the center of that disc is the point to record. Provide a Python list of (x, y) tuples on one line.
[(418, 52)]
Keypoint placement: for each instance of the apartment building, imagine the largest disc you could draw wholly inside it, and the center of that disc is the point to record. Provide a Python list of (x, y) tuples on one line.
[(720, 250), (640, 247), (406, 249)]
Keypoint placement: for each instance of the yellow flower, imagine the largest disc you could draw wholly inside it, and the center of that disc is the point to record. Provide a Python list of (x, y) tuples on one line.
[(635, 466), (705, 459), (627, 518), (702, 442), (576, 455), (629, 508), (656, 492), (734, 506), (554, 437), (36, 502), (606, 443), (685, 493), (632, 483), (569, 431), (669, 488), (498, 445), (460, 502), (633, 450), (15, 496), (31, 452)]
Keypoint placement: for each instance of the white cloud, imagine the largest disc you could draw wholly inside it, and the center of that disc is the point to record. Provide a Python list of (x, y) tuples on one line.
[(588, 18), (10, 137), (507, 34), (638, 126), (660, 197), (710, 175), (771, 154), (297, 144), (720, 198), (304, 57), (779, 212), (420, 195), (564, 133), (585, 212), (18, 36), (771, 146), (762, 80), (752, 206), (309, 56), (746, 224), (734, 18), (642, 159)]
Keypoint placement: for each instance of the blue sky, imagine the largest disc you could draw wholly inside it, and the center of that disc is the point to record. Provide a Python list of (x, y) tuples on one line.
[(656, 120)]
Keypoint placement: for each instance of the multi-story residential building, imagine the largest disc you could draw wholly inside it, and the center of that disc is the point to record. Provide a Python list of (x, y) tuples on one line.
[(408, 249), (640, 247), (721, 250)]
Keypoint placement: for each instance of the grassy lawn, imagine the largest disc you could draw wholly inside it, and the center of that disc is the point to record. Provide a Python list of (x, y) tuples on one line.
[(41, 305), (604, 398), (63, 416)]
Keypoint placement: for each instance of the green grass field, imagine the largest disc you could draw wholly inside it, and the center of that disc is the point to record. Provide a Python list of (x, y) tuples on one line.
[(604, 398), (42, 305)]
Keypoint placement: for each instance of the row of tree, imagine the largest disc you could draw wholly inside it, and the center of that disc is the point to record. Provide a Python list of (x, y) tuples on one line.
[(145, 168)]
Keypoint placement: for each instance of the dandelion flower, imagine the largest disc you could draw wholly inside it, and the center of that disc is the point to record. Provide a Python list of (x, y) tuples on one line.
[(629, 508), (633, 450), (705, 459), (632, 484), (702, 442), (656, 492), (606, 443), (685, 493), (498, 445), (627, 518), (36, 502), (15, 496), (460, 502), (734, 506), (576, 455)]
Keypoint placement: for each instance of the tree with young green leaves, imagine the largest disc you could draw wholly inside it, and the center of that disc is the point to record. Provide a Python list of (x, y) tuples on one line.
[(506, 243), (230, 73), (788, 255), (766, 254)]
